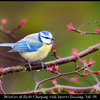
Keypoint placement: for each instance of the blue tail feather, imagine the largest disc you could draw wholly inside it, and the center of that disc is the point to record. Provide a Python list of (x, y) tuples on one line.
[(7, 44)]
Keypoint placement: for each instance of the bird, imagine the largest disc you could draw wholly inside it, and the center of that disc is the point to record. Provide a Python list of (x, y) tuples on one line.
[(33, 47)]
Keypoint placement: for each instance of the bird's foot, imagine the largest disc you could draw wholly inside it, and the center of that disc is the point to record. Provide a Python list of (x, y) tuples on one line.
[(30, 66), (42, 64)]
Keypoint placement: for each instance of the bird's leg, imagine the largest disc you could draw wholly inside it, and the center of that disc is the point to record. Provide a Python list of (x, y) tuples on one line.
[(30, 65), (42, 64)]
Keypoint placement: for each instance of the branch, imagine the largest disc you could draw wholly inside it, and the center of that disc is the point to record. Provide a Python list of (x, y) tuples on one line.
[(8, 33), (82, 32), (10, 57), (60, 61), (56, 76), (61, 88), (57, 88), (72, 28)]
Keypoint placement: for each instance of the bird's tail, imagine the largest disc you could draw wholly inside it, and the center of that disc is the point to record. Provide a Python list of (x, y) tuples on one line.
[(7, 44)]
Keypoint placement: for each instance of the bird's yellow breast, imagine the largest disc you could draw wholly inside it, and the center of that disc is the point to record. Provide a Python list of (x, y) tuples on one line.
[(37, 55)]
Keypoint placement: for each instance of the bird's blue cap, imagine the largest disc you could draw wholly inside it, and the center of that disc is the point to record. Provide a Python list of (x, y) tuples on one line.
[(45, 32)]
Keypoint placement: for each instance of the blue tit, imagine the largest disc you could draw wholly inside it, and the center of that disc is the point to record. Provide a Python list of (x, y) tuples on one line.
[(33, 47)]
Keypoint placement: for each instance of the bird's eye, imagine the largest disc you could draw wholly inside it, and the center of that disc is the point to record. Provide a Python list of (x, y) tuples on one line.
[(47, 37)]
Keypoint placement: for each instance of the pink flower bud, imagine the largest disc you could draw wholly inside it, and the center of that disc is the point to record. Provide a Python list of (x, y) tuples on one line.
[(98, 30), (56, 68), (54, 47), (75, 52), (71, 92), (74, 79), (22, 23), (4, 22), (70, 27), (84, 62), (97, 72), (54, 82), (50, 69), (91, 62), (84, 75), (1, 69)]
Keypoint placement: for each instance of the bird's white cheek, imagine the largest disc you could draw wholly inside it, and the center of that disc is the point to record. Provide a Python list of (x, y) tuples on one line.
[(46, 40)]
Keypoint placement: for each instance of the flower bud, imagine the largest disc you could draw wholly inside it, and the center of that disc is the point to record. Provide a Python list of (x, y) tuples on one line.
[(22, 23)]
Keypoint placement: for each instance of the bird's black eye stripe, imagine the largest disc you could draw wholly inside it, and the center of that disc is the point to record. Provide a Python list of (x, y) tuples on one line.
[(46, 37)]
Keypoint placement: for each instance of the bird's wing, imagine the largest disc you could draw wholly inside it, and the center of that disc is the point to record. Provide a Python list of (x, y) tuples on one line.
[(25, 46)]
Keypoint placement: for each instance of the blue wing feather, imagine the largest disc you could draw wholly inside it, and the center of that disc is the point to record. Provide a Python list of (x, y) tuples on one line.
[(24, 46)]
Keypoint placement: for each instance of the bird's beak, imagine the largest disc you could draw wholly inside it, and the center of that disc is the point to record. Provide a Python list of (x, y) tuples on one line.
[(53, 39)]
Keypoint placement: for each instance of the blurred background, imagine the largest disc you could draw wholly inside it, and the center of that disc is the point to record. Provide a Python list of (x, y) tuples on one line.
[(52, 16)]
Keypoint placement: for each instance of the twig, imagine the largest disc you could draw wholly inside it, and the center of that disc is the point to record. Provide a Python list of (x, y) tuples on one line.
[(12, 36), (93, 75), (13, 30), (61, 88), (82, 32), (56, 76)]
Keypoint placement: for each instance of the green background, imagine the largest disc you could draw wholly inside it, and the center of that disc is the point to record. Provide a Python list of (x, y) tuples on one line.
[(52, 16)]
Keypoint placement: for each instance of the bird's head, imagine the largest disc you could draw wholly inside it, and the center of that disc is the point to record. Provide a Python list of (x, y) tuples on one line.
[(46, 37)]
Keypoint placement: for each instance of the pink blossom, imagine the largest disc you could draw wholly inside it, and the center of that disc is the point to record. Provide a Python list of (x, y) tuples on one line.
[(54, 82), (84, 74), (97, 72), (74, 79), (98, 30), (71, 92), (22, 22), (54, 47), (4, 22), (75, 52), (1, 69), (70, 27), (91, 62), (56, 68), (50, 69), (84, 62)]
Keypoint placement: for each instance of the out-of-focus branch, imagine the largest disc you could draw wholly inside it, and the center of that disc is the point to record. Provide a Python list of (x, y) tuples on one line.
[(10, 57), (8, 33), (12, 36)]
